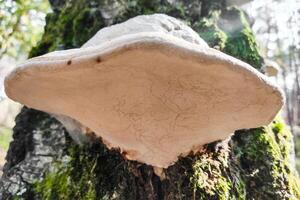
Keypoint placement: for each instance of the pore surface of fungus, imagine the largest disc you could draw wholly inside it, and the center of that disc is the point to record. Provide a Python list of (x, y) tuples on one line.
[(149, 86)]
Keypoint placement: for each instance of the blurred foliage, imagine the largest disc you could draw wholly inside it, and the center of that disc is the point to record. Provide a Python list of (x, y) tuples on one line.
[(21, 25), (5, 138)]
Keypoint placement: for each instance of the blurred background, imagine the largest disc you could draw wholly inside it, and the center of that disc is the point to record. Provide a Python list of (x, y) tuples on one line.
[(276, 24)]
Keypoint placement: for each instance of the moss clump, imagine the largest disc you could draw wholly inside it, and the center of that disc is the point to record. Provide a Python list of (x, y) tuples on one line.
[(215, 176), (240, 39), (210, 32), (73, 25), (54, 185), (264, 155), (49, 39), (85, 25), (229, 31), (93, 172)]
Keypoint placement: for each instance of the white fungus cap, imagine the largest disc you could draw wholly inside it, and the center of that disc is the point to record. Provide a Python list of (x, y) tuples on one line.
[(149, 86)]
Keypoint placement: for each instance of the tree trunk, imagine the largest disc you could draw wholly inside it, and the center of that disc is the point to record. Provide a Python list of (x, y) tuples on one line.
[(44, 163)]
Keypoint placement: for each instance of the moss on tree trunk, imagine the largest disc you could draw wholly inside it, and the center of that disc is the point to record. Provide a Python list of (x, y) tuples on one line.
[(252, 164)]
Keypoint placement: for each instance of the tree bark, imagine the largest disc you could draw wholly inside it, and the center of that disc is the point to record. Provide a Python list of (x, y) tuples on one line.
[(44, 163)]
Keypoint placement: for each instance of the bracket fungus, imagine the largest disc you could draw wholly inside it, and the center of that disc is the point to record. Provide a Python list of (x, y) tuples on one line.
[(271, 67), (149, 86)]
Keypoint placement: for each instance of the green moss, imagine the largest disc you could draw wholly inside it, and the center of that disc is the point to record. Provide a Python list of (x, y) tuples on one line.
[(54, 185), (85, 25), (264, 155), (230, 32), (244, 47), (71, 27), (241, 42), (91, 173), (49, 39), (211, 33), (209, 179)]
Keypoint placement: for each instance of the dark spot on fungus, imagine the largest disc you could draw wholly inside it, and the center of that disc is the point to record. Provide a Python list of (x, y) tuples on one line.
[(98, 59), (69, 62)]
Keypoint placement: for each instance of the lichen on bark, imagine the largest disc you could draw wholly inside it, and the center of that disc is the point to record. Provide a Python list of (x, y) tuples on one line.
[(252, 164)]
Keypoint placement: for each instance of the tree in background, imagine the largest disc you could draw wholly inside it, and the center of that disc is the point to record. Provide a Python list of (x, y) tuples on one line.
[(277, 27), (21, 23)]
